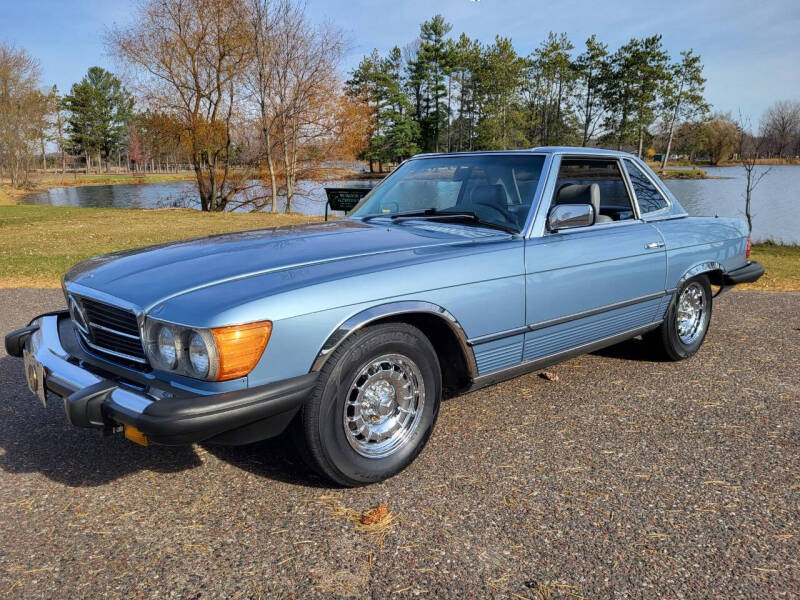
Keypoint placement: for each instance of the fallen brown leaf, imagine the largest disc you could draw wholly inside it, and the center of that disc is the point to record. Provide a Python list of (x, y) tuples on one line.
[(548, 375), (374, 515)]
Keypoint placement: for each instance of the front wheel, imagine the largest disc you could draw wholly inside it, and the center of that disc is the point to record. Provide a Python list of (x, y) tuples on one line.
[(374, 406), (686, 323)]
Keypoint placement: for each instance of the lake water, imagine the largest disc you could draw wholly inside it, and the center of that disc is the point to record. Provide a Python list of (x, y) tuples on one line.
[(775, 204), (310, 196)]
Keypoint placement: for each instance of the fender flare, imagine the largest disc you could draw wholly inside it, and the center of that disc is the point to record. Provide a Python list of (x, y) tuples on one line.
[(699, 268), (392, 309)]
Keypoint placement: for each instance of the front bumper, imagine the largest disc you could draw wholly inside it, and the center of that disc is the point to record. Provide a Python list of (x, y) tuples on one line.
[(94, 397)]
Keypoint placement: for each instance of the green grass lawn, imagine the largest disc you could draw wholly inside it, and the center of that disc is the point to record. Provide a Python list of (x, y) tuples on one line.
[(782, 266), (39, 243)]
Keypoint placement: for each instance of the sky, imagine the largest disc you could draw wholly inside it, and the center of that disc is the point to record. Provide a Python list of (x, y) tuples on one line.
[(750, 50)]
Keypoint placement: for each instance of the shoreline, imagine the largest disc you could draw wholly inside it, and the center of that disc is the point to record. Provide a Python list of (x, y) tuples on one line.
[(42, 183)]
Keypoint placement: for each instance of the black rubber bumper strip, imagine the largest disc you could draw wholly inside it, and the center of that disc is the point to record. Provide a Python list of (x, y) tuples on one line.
[(15, 341), (747, 274), (185, 420)]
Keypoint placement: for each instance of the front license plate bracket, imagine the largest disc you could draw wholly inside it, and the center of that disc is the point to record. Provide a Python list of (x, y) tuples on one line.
[(35, 376)]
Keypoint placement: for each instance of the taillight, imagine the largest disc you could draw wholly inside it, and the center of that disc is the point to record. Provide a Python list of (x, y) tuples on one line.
[(747, 250)]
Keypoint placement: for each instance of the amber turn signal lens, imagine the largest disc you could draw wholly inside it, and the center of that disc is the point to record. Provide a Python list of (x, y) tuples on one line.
[(239, 347), (135, 435)]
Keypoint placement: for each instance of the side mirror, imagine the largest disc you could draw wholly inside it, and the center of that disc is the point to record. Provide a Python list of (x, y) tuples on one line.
[(567, 216)]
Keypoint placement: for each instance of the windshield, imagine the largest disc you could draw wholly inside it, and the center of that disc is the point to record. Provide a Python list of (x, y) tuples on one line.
[(498, 189)]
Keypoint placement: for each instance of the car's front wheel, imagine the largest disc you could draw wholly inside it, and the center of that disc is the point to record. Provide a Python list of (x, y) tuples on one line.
[(374, 406), (686, 323)]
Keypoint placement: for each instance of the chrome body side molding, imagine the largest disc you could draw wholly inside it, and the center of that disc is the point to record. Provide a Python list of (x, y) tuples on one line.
[(565, 319), (391, 309)]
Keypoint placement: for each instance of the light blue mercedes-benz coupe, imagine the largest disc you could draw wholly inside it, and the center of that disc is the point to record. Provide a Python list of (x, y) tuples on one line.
[(456, 271)]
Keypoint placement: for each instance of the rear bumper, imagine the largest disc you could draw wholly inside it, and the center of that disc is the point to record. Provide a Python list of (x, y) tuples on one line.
[(746, 274), (95, 398)]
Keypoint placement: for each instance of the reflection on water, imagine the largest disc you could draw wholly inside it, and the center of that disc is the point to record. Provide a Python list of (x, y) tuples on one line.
[(309, 197), (776, 200)]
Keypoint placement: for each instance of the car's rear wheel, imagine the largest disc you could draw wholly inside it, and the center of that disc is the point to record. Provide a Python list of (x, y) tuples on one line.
[(686, 323), (374, 406)]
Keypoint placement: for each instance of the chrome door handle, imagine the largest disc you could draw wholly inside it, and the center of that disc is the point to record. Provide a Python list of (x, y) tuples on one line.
[(653, 245)]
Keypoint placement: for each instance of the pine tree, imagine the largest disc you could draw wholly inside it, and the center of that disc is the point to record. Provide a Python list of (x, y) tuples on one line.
[(682, 95), (590, 67), (98, 111)]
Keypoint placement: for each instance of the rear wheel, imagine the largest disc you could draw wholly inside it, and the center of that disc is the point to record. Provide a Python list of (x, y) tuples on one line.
[(374, 407), (686, 323)]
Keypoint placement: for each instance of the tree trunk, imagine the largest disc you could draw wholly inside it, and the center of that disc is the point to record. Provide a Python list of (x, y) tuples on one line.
[(669, 142), (748, 193), (273, 181), (641, 139), (287, 166), (587, 115)]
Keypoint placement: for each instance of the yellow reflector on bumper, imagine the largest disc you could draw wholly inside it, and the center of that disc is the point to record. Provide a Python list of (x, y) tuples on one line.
[(135, 435), (239, 348)]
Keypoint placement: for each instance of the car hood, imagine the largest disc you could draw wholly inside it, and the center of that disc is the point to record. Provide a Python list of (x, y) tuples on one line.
[(150, 275)]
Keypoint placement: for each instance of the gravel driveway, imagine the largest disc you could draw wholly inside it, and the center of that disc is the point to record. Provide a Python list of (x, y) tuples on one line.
[(623, 478)]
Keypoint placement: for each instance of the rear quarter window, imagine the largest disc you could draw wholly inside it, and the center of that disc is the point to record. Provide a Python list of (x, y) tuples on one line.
[(648, 195)]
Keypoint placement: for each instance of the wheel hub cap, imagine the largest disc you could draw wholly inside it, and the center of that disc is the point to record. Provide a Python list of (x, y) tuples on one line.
[(691, 313), (384, 405)]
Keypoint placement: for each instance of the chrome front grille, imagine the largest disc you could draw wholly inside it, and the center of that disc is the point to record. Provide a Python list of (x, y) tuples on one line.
[(112, 331)]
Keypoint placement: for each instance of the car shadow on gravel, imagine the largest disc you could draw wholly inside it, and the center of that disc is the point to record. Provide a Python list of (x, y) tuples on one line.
[(275, 458), (34, 439), (633, 349)]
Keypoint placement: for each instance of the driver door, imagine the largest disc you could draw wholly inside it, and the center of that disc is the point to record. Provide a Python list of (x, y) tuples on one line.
[(589, 284)]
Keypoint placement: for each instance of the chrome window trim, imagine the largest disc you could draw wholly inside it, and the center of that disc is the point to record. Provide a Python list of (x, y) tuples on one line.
[(656, 184), (539, 226), (565, 319), (535, 200)]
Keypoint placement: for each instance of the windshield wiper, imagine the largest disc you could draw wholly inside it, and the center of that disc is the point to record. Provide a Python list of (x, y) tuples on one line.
[(444, 215), (427, 211)]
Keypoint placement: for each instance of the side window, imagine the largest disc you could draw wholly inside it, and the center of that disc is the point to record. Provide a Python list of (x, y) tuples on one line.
[(596, 181), (649, 197)]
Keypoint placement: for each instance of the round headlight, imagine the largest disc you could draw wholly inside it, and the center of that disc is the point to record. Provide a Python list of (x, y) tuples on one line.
[(166, 347), (198, 355)]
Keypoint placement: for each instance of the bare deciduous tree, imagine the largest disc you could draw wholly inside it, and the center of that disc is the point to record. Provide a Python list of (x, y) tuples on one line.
[(295, 90), (264, 21), (192, 55), (748, 148), (24, 112), (304, 89), (781, 127)]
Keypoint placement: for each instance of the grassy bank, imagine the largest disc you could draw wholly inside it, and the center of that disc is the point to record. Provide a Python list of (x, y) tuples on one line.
[(782, 264), (693, 173), (39, 243)]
